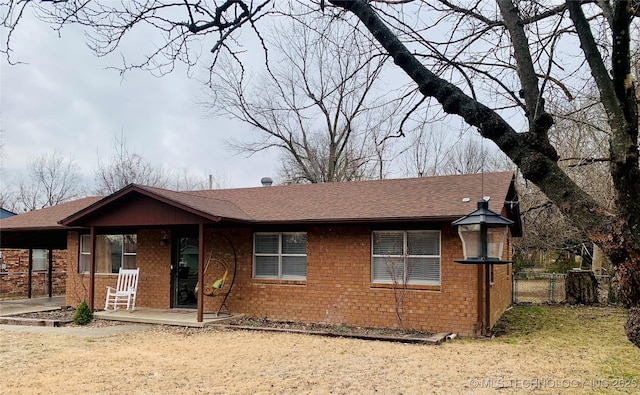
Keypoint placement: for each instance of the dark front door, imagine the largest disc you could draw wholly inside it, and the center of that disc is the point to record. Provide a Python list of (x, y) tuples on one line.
[(185, 272)]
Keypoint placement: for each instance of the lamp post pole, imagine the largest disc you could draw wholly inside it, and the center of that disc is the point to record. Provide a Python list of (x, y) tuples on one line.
[(487, 280)]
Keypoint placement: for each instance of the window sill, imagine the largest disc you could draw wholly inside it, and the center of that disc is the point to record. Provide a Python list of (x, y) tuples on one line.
[(266, 281), (409, 287)]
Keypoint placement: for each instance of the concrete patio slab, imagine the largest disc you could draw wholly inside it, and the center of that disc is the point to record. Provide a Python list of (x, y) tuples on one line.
[(176, 317), (24, 306)]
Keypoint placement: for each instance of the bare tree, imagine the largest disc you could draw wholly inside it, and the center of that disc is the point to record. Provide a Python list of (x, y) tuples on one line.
[(580, 137), (471, 157), (426, 151), (185, 180), (8, 199), (432, 151), (314, 105), (51, 179), (547, 235), (603, 30), (126, 167), (495, 65), (399, 273)]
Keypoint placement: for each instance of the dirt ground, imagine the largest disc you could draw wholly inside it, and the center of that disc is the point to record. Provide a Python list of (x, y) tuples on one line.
[(166, 360)]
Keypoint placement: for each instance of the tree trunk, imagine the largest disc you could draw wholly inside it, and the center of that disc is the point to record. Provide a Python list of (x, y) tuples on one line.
[(533, 153), (581, 287), (632, 326)]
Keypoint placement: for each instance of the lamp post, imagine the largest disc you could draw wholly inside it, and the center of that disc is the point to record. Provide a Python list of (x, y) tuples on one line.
[(483, 233)]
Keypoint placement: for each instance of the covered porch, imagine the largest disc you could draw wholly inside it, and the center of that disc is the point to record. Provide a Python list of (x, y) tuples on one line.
[(168, 240)]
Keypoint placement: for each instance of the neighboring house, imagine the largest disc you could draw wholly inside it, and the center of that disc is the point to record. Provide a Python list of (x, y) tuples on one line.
[(5, 213), (327, 253), (33, 261), (25, 272), (3, 266), (28, 273)]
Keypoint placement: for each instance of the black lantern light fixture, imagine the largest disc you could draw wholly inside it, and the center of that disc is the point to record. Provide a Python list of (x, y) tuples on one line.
[(483, 233)]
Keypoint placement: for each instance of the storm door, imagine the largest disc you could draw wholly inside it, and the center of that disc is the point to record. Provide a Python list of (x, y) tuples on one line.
[(185, 273)]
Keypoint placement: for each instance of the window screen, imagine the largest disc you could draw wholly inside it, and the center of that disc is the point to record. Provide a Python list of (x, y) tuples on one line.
[(406, 257), (280, 255), (39, 259), (112, 252)]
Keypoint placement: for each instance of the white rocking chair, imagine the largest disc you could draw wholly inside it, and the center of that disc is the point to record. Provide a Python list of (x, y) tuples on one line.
[(125, 292)]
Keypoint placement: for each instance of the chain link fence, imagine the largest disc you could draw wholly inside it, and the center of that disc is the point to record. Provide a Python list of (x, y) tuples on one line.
[(533, 287)]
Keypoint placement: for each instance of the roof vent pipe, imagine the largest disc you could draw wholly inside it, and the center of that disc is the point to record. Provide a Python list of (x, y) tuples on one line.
[(266, 181)]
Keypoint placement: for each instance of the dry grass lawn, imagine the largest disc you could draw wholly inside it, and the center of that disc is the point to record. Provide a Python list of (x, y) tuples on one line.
[(544, 349)]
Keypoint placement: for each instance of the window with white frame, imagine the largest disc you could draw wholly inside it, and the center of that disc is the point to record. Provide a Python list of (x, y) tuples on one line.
[(112, 253), (280, 255), (406, 257), (39, 259)]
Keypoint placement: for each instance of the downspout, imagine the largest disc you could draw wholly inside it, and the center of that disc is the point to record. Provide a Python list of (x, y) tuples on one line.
[(92, 268), (200, 272)]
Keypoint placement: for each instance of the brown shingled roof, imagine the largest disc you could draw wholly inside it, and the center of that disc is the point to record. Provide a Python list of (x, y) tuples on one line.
[(392, 199), (46, 218), (427, 198)]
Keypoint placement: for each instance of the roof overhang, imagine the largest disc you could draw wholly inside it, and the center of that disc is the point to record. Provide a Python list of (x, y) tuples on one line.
[(358, 221), (138, 206), (52, 238)]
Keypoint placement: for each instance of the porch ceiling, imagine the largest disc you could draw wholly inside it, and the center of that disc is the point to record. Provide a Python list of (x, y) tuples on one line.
[(46, 239)]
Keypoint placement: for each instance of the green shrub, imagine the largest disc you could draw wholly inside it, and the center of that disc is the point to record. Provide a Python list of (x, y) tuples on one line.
[(83, 314)]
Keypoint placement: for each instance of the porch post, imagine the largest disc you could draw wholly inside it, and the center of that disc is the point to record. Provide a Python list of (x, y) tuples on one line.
[(200, 272), (92, 267), (30, 273), (50, 270)]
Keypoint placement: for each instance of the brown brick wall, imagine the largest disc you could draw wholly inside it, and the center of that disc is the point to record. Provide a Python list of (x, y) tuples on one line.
[(501, 287), (338, 288), (14, 280), (153, 259), (77, 284)]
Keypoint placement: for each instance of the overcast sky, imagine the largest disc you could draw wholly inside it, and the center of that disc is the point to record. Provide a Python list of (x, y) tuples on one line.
[(65, 99)]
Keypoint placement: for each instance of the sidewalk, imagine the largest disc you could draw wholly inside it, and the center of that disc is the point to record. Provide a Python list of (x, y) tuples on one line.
[(76, 330), (23, 306)]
